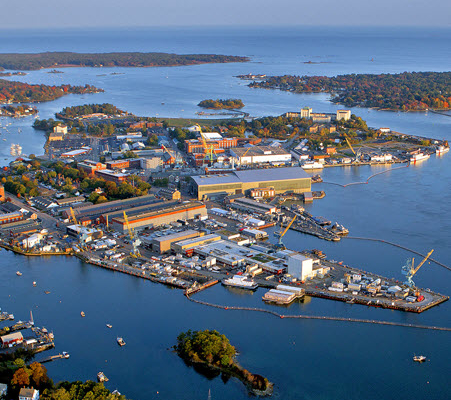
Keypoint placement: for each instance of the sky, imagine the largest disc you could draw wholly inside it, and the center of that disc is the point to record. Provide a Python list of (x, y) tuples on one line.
[(21, 14)]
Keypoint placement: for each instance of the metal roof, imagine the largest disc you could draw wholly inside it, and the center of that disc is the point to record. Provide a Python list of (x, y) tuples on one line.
[(253, 175)]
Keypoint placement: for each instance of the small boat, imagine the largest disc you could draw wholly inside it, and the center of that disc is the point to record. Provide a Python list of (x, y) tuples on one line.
[(65, 354), (120, 341), (34, 283), (82, 314), (109, 326), (46, 291), (419, 358), (101, 377), (18, 273), (11, 316)]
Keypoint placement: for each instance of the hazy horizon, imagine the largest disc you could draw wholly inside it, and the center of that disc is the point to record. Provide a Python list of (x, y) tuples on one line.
[(52, 14)]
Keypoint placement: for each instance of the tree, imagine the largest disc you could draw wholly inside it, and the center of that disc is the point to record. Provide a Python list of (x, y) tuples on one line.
[(21, 378), (39, 375)]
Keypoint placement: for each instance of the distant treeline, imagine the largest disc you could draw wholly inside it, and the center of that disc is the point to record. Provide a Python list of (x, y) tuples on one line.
[(52, 59), (405, 91), (18, 92), (87, 109), (220, 104)]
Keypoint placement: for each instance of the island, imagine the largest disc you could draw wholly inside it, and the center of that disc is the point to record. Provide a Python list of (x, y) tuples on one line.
[(209, 350), (11, 73), (408, 91), (35, 61), (19, 92), (220, 104)]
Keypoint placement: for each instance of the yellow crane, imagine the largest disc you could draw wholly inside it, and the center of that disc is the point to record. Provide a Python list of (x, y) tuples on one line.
[(72, 213), (282, 234), (349, 144), (410, 270), (135, 241), (208, 150)]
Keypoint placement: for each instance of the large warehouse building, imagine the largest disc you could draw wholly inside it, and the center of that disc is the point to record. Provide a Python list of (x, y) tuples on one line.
[(159, 217), (293, 179), (260, 155)]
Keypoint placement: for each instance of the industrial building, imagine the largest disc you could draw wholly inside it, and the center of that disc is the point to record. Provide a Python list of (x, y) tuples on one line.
[(163, 244), (253, 206), (94, 211), (10, 217), (187, 246), (112, 176), (90, 167), (260, 154), (12, 339), (300, 267), (151, 219), (196, 146), (293, 179)]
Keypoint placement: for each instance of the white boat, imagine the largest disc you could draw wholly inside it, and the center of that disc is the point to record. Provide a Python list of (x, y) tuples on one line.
[(65, 354), (240, 281), (419, 157), (312, 165), (18, 273), (109, 326), (441, 150), (34, 283), (419, 358)]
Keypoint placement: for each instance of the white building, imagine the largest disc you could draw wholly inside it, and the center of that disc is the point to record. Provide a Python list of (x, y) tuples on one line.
[(260, 154), (343, 114), (28, 394), (32, 241), (300, 267)]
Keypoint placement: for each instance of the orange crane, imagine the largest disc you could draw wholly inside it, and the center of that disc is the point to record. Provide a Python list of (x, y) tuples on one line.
[(282, 234)]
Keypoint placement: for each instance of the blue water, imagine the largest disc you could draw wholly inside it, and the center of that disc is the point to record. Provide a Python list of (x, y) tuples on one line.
[(305, 359)]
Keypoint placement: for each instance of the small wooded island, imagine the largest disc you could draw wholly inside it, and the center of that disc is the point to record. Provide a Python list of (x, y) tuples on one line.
[(34, 61), (408, 91), (220, 104), (19, 92), (211, 350)]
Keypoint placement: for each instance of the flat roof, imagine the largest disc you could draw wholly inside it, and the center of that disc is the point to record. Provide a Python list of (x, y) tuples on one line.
[(253, 175), (173, 209), (259, 151), (176, 235)]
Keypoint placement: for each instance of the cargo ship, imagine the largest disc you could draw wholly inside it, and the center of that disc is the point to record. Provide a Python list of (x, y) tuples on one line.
[(419, 157), (441, 150), (240, 281), (312, 165)]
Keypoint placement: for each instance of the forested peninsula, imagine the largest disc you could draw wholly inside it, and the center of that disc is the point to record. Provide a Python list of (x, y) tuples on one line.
[(19, 92), (408, 91), (35, 61)]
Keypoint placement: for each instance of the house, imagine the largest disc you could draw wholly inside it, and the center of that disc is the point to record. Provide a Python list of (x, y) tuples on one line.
[(28, 394), (3, 389)]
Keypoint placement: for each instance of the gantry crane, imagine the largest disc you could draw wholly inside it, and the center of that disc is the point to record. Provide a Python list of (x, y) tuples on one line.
[(135, 241), (282, 234), (409, 270)]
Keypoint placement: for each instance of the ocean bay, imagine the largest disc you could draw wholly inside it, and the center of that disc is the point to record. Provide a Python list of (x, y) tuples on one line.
[(305, 359)]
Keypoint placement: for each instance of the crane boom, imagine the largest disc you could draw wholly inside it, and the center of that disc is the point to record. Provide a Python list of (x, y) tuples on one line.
[(349, 144), (421, 263), (288, 227), (130, 232)]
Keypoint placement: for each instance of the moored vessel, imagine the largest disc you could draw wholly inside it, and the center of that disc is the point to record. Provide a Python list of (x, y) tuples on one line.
[(18, 273), (240, 281), (120, 341), (312, 165), (419, 157), (419, 358), (441, 150), (101, 377), (82, 314)]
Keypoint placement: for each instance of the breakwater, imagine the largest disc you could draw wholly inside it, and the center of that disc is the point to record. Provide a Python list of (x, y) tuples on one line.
[(323, 318)]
